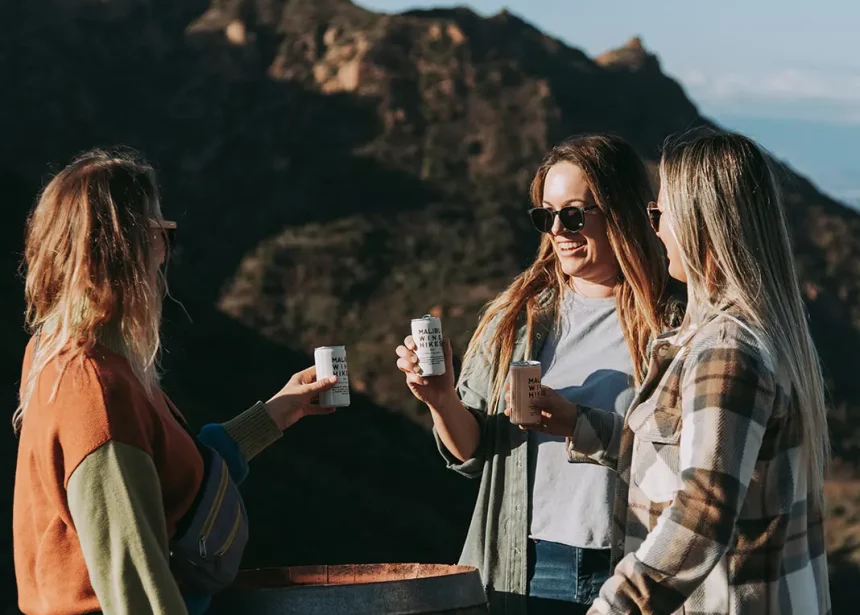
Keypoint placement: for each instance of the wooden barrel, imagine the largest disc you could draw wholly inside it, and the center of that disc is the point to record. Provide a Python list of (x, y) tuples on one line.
[(368, 589)]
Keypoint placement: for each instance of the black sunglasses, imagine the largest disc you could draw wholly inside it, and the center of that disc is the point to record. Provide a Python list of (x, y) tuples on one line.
[(654, 215), (572, 218), (168, 231)]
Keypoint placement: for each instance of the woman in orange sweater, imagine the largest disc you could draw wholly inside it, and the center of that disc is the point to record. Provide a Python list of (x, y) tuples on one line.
[(110, 482)]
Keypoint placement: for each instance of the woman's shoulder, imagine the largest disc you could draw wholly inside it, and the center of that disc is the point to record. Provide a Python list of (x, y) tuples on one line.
[(730, 336), (95, 371), (544, 319), (88, 400)]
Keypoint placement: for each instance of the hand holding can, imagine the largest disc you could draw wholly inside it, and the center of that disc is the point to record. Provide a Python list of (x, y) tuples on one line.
[(427, 335), (525, 379), (298, 398), (558, 415), (331, 361), (434, 390)]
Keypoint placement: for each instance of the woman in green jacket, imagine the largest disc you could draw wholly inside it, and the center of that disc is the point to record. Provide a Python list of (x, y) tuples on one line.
[(586, 309)]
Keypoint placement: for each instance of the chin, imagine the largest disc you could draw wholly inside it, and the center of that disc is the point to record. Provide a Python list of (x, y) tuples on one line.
[(677, 273), (571, 268)]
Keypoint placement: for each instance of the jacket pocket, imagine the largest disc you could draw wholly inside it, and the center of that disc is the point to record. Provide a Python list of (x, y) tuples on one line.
[(654, 423), (655, 469)]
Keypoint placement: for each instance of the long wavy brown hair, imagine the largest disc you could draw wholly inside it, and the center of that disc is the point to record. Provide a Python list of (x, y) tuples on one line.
[(622, 190), (90, 267)]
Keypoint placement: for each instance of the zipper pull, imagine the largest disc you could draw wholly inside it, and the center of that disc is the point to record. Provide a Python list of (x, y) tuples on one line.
[(201, 546)]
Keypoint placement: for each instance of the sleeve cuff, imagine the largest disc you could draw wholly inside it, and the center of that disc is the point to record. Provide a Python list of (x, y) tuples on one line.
[(586, 440), (471, 468), (253, 430), (574, 456)]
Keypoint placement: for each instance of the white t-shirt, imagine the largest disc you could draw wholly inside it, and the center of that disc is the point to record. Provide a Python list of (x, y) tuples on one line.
[(586, 360)]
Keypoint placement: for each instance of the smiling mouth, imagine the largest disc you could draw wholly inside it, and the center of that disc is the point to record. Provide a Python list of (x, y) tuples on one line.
[(570, 248)]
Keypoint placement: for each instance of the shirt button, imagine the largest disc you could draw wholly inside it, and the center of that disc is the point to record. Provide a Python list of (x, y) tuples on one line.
[(538, 335), (516, 550), (517, 508)]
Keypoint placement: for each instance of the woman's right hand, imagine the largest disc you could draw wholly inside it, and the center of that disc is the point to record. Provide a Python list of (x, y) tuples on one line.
[(432, 390), (299, 398)]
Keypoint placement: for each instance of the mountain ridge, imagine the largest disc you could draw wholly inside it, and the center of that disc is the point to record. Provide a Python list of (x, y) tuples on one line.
[(335, 172)]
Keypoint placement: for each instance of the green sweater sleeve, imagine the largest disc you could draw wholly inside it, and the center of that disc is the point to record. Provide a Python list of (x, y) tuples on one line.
[(116, 506), (253, 430)]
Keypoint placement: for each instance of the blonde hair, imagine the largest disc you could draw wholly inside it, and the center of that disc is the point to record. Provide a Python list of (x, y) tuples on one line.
[(726, 212), (619, 182), (90, 268)]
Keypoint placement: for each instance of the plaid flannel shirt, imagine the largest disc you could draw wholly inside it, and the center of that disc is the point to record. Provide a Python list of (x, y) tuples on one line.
[(713, 514)]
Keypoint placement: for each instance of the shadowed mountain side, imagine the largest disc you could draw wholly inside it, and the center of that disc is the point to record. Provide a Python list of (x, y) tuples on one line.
[(335, 173)]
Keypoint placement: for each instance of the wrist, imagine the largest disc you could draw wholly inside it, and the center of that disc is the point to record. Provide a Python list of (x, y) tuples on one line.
[(446, 404), (281, 412)]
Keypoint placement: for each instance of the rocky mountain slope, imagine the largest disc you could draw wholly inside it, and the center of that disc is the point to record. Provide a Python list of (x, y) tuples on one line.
[(336, 172)]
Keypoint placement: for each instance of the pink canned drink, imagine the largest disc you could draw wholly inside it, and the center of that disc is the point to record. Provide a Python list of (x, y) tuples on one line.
[(331, 361), (525, 388)]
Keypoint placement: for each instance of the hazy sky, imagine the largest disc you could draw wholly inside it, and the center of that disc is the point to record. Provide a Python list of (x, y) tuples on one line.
[(775, 69), (778, 58)]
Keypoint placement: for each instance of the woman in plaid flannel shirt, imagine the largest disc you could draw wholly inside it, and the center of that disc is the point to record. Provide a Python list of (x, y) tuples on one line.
[(721, 456)]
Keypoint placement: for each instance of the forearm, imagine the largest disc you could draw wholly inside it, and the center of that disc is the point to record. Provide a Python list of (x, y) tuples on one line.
[(688, 541), (457, 428)]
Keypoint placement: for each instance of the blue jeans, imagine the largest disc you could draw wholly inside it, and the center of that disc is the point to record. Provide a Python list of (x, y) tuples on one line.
[(564, 580)]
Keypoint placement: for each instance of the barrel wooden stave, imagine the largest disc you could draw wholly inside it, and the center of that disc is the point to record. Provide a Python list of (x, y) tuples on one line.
[(367, 589)]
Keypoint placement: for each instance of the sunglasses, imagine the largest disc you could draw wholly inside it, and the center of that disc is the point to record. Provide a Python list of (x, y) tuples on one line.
[(572, 218), (654, 215), (168, 229)]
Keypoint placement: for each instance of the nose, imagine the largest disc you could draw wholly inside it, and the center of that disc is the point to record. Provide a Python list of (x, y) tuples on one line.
[(557, 226)]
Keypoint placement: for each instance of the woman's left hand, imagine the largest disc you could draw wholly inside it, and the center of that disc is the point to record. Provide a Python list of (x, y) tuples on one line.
[(557, 413), (297, 398)]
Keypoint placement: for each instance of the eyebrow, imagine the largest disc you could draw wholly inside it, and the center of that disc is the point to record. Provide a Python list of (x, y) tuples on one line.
[(566, 203)]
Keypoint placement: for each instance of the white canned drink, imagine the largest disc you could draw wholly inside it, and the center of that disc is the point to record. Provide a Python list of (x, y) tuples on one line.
[(525, 388), (427, 335), (331, 361)]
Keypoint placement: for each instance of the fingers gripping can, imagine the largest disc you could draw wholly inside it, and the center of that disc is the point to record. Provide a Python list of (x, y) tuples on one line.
[(427, 335), (525, 388), (331, 361)]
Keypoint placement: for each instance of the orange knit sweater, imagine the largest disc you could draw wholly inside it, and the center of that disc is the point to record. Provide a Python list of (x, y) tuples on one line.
[(99, 400)]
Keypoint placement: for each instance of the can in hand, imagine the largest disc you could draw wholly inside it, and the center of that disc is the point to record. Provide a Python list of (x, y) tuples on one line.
[(331, 361), (427, 335), (525, 388)]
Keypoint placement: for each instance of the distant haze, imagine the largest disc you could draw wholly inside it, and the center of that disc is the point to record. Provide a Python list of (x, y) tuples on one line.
[(824, 152)]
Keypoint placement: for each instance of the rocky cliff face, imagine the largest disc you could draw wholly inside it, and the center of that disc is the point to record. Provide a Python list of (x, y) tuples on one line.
[(335, 173)]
